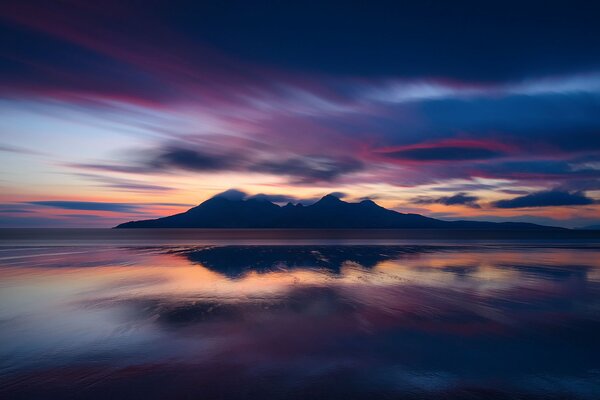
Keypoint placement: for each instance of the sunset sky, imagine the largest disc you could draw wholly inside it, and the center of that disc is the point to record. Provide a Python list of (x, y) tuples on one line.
[(128, 110)]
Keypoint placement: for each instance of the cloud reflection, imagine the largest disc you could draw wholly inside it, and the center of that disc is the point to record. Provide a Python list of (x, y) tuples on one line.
[(293, 320)]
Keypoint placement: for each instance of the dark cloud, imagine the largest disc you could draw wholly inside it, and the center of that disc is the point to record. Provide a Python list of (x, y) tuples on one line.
[(514, 191), (444, 153), (16, 149), (308, 169), (464, 187), (458, 199), (88, 205), (82, 216), (546, 199), (172, 204), (301, 168), (339, 195), (135, 208), (199, 155), (14, 210), (558, 173), (169, 159), (194, 160)]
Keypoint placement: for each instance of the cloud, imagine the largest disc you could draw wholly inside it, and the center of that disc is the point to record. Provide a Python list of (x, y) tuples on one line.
[(169, 157), (14, 210), (124, 184), (339, 195), (16, 149), (548, 198), (402, 91), (457, 199), (170, 204), (211, 157), (514, 191), (137, 187), (274, 198), (88, 205), (306, 169), (235, 194), (62, 221), (455, 187), (194, 160), (232, 194), (443, 153), (541, 173), (445, 150), (302, 168), (141, 169)]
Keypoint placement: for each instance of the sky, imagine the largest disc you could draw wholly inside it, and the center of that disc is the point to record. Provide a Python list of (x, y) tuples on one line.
[(124, 110)]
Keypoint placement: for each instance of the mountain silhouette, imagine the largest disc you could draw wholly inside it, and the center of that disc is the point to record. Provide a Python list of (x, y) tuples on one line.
[(595, 227), (328, 213), (235, 261)]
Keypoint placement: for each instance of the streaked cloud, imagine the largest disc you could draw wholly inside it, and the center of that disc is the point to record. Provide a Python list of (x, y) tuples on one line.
[(463, 199), (550, 198), (430, 90), (87, 205)]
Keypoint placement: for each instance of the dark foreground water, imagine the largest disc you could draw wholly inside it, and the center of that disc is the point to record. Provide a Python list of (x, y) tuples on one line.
[(94, 314)]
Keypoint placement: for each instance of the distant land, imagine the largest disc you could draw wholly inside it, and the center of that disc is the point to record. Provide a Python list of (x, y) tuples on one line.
[(328, 213), (592, 227)]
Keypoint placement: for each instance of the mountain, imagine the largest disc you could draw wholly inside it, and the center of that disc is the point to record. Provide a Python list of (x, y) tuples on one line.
[(329, 212), (591, 227), (237, 260)]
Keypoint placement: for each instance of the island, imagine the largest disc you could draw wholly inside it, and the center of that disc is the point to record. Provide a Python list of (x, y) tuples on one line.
[(329, 212)]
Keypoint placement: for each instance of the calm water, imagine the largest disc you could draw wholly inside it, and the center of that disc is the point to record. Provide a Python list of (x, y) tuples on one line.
[(254, 315)]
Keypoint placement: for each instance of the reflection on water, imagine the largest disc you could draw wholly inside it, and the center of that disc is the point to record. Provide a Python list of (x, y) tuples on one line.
[(305, 321)]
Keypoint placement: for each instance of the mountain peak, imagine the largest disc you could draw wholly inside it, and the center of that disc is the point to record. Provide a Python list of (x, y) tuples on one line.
[(233, 209), (231, 194), (369, 202), (329, 199)]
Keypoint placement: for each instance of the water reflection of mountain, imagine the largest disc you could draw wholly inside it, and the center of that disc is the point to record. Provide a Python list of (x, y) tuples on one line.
[(234, 261)]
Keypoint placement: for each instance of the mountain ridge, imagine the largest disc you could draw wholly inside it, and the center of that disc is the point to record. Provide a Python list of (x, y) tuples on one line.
[(329, 212)]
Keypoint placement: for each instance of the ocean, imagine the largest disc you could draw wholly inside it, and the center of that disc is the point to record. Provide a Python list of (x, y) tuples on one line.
[(302, 314)]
